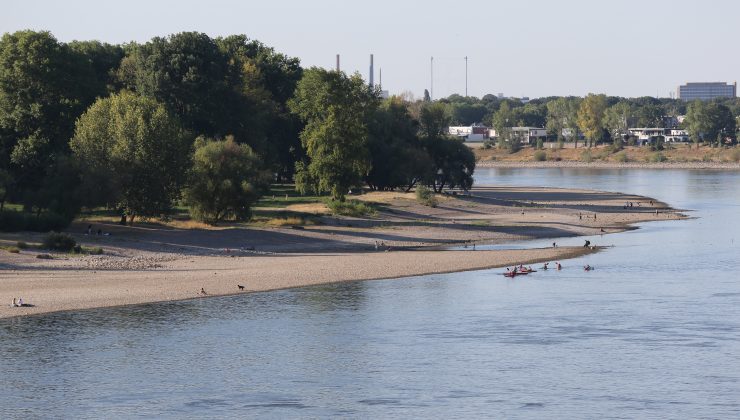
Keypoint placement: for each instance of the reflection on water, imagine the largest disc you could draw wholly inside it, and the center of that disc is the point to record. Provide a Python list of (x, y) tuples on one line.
[(653, 332)]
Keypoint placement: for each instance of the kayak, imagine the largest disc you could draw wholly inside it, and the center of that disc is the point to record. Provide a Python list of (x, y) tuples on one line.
[(518, 273)]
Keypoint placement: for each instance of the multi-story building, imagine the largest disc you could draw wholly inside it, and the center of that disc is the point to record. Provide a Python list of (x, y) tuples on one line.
[(705, 91)]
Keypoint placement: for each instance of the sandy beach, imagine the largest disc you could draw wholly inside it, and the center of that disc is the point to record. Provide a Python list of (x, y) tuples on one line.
[(153, 263)]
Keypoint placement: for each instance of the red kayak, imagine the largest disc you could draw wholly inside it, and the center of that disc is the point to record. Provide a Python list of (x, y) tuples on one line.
[(517, 273)]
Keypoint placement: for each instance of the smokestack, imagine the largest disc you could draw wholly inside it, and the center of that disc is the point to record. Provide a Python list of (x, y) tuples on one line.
[(337, 63), (372, 71)]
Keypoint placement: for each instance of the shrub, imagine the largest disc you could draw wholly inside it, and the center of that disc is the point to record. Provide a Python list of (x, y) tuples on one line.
[(561, 143), (95, 251), (658, 157), (540, 156), (425, 196), (621, 157), (487, 144), (351, 208), (540, 144), (13, 250), (735, 155), (21, 245), (17, 221), (586, 156), (59, 242)]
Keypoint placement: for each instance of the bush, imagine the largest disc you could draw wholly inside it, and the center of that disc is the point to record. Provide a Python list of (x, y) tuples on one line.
[(425, 196), (540, 144), (17, 221), (621, 157), (487, 144), (586, 156), (59, 242), (735, 155), (540, 156), (13, 250), (658, 157), (21, 245), (351, 208), (95, 251), (561, 143)]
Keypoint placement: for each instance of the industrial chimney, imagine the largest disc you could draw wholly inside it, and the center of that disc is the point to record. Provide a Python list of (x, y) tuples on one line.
[(372, 71)]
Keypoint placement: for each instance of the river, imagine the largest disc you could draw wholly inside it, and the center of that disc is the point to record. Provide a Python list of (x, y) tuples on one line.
[(652, 332)]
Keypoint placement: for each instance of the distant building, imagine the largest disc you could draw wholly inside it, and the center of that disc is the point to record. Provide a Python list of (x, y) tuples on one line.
[(526, 135), (649, 135), (706, 91), (470, 133)]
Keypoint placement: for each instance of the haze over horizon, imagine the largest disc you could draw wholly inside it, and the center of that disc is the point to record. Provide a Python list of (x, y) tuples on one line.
[(529, 48)]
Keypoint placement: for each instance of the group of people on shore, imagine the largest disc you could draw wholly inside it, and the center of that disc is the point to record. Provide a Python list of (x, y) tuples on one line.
[(18, 303)]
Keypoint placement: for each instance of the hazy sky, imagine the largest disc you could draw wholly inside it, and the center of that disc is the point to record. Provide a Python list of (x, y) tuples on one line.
[(521, 48)]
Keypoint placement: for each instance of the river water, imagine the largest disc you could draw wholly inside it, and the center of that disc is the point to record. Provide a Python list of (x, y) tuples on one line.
[(652, 332)]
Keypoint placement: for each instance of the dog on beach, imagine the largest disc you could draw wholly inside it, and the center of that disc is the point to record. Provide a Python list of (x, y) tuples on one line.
[(240, 286)]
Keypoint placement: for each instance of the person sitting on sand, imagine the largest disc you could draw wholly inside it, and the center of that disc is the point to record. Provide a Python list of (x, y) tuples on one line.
[(20, 301), (203, 291), (15, 303)]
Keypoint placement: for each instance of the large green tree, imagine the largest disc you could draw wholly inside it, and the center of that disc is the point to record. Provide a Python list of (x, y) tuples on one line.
[(44, 86), (134, 155), (336, 109), (226, 180), (562, 117), (591, 117), (711, 122)]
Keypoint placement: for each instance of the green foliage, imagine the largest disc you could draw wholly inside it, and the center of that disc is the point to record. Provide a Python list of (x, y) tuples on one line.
[(454, 163), (133, 155), (621, 157), (658, 157), (591, 116), (44, 86), (540, 156), (425, 196), (58, 241), (617, 118), (487, 144), (540, 144), (225, 181), (352, 208), (17, 221), (336, 109), (710, 121), (617, 144), (586, 156), (21, 245), (397, 154)]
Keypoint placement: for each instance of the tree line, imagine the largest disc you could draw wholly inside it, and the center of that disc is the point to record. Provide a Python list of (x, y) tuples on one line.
[(598, 118), (206, 122)]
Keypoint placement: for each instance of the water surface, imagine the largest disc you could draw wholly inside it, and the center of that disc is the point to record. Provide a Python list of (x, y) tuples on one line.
[(653, 332)]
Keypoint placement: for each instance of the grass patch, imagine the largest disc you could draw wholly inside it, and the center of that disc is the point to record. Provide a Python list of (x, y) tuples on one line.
[(284, 195), (481, 223), (352, 208), (288, 221)]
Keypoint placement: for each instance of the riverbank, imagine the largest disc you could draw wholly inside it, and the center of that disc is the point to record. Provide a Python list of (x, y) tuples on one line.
[(153, 263), (673, 156)]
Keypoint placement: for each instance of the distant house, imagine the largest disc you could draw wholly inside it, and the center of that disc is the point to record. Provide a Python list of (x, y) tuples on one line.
[(526, 135), (649, 135), (469, 133)]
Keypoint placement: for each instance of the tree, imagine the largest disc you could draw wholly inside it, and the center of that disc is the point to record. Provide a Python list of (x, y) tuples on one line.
[(502, 121), (133, 154), (591, 116), (562, 117), (225, 181), (707, 121), (336, 109), (616, 121), (453, 162), (44, 87), (397, 155)]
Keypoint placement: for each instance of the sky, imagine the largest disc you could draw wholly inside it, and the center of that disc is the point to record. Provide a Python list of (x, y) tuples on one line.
[(530, 48)]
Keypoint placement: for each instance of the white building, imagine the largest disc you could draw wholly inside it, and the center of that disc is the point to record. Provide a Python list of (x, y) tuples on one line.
[(469, 133), (648, 135), (526, 135)]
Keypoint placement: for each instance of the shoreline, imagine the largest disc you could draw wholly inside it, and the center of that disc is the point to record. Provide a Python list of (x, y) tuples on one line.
[(217, 288), (152, 263), (610, 165)]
